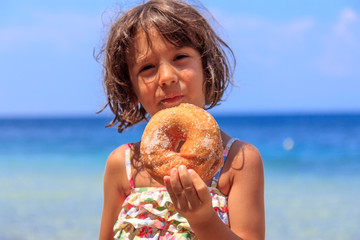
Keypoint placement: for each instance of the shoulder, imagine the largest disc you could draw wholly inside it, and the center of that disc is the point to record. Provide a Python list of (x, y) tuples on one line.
[(241, 156), (243, 166), (246, 170), (243, 162), (115, 170), (245, 156), (116, 159)]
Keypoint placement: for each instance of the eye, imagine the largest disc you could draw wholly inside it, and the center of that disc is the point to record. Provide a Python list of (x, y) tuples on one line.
[(146, 67), (181, 56)]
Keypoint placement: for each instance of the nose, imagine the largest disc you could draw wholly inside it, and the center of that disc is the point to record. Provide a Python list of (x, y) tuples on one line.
[(167, 75)]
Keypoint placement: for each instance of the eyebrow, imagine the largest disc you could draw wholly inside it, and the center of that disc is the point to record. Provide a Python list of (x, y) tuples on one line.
[(136, 61)]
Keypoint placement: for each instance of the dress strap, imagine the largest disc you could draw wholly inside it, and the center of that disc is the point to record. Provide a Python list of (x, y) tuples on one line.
[(128, 164), (226, 151)]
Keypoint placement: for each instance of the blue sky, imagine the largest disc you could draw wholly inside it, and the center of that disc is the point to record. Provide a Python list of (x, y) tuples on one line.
[(292, 56)]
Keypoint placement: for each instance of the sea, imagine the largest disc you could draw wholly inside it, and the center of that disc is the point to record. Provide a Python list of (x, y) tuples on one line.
[(51, 174)]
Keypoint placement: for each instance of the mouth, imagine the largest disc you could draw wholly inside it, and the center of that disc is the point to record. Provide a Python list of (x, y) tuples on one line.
[(172, 101)]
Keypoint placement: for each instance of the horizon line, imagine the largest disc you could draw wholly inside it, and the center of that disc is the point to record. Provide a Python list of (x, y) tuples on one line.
[(215, 114)]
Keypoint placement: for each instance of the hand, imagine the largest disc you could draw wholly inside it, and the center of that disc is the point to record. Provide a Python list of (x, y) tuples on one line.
[(189, 193)]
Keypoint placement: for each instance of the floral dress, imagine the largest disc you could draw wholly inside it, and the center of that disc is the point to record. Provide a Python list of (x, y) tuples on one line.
[(148, 212)]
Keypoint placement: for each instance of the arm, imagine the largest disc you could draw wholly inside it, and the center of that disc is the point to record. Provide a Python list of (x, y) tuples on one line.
[(245, 201), (114, 192), (246, 197)]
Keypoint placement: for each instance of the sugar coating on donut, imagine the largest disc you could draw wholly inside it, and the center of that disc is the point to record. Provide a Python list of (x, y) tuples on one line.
[(158, 139), (183, 135)]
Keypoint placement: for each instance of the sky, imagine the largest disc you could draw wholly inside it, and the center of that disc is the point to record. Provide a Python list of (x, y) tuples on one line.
[(292, 56)]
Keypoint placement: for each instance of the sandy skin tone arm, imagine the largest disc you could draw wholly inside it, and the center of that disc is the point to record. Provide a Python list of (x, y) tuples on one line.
[(116, 188), (192, 199)]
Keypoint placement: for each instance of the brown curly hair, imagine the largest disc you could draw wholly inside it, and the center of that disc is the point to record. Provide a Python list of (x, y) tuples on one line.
[(180, 24)]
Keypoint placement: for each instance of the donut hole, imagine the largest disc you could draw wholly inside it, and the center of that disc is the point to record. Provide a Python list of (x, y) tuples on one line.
[(181, 143), (177, 137)]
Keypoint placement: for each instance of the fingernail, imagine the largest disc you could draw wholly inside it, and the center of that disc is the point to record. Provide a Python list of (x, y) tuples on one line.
[(182, 167), (173, 171), (191, 172)]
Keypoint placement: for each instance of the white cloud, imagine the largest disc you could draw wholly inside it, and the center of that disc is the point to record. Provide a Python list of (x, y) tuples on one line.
[(346, 19), (236, 23), (299, 27), (266, 42), (341, 54)]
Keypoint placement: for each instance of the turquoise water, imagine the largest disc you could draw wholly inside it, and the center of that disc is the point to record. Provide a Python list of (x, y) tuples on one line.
[(51, 174)]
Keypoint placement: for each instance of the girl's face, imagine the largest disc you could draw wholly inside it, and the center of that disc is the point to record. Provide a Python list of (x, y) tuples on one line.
[(163, 75)]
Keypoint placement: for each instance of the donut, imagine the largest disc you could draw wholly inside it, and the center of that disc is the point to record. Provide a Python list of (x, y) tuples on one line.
[(183, 135)]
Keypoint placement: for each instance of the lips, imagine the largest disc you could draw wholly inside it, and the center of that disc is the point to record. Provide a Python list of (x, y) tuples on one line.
[(172, 100)]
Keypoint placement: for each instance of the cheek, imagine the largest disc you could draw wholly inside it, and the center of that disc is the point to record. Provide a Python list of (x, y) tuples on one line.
[(140, 92), (195, 75), (134, 91), (144, 92), (197, 85), (199, 81)]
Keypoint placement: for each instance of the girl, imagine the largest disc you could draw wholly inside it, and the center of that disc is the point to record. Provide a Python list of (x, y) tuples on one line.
[(158, 55)]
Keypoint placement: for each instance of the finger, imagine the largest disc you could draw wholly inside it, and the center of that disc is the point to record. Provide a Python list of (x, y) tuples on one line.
[(189, 189), (167, 183), (177, 189), (170, 190), (200, 186)]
